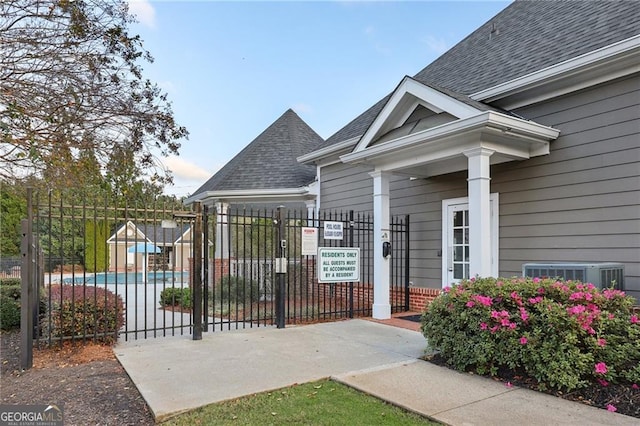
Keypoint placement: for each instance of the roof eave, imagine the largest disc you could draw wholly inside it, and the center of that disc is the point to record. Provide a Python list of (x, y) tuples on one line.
[(328, 151), (253, 195), (612, 61)]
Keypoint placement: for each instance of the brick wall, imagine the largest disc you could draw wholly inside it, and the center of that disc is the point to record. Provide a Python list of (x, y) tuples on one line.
[(420, 297), (219, 268)]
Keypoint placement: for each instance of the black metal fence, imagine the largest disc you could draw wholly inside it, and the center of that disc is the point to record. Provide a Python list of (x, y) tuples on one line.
[(103, 269), (106, 268), (241, 282)]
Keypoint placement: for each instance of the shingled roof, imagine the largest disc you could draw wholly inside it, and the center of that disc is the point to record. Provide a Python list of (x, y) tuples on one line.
[(524, 37), (269, 161)]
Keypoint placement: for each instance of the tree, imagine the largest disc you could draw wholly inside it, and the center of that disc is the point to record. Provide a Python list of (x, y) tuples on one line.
[(13, 208), (96, 253), (122, 177), (71, 83)]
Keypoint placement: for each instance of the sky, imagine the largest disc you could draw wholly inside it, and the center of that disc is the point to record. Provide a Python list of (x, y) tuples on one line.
[(231, 68)]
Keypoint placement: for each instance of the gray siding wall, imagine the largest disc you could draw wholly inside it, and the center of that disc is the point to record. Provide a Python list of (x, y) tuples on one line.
[(344, 187), (422, 200), (581, 203)]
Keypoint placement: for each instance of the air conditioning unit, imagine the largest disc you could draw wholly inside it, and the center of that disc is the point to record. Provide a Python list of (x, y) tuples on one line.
[(602, 275)]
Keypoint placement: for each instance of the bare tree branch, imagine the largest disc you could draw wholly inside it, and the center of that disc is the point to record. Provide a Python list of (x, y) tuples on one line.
[(70, 81)]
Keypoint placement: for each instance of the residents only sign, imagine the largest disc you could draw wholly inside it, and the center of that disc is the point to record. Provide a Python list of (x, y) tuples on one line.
[(338, 264)]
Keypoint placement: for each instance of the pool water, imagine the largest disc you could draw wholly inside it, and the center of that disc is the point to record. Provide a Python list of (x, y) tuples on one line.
[(162, 277)]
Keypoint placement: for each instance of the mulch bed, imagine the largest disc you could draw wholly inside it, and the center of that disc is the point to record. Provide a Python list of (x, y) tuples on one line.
[(86, 380), (624, 398)]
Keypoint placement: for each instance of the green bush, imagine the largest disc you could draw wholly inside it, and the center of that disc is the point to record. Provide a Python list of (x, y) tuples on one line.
[(9, 282), (10, 290), (236, 290), (566, 335), (9, 303), (9, 313), (175, 296), (78, 311)]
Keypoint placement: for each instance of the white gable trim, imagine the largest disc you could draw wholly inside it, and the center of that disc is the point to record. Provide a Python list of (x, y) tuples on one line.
[(128, 225), (181, 238), (408, 95), (514, 137), (604, 64)]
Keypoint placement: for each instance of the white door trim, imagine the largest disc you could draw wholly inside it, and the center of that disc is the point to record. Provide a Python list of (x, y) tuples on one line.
[(495, 214)]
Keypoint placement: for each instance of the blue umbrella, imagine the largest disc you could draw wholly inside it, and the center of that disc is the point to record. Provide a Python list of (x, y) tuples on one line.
[(143, 248)]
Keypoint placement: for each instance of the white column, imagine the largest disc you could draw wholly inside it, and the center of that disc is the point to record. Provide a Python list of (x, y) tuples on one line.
[(144, 268), (479, 211), (381, 265), (311, 210), (222, 230)]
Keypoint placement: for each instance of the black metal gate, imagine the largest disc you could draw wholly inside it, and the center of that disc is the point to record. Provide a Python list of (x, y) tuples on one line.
[(103, 269), (242, 281)]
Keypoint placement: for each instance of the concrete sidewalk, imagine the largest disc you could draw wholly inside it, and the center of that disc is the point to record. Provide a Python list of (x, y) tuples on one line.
[(176, 374)]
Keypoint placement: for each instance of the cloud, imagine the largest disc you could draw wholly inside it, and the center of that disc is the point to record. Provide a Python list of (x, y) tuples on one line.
[(185, 170), (370, 33), (438, 45), (144, 12)]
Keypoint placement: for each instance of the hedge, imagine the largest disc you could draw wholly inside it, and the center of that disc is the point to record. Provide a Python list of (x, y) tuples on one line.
[(175, 296), (566, 335), (9, 303), (78, 311), (236, 289)]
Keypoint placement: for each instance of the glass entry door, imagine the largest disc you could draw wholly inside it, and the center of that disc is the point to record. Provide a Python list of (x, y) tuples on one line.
[(456, 253), (458, 242)]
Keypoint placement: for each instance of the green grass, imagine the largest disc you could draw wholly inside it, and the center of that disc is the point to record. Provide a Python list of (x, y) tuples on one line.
[(317, 403)]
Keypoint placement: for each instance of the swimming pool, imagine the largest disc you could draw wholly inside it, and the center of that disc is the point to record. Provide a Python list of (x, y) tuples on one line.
[(157, 277)]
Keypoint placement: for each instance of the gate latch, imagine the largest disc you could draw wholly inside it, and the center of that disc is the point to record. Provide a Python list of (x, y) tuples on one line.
[(281, 265)]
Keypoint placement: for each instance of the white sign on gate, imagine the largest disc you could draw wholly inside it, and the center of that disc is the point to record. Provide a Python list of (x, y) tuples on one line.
[(333, 231), (309, 241), (338, 264)]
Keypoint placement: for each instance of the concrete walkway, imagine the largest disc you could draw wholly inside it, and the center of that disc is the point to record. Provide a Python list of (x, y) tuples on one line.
[(176, 374)]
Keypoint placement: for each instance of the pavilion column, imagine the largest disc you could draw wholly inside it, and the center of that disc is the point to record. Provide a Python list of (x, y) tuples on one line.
[(479, 211), (311, 210), (381, 228), (222, 230)]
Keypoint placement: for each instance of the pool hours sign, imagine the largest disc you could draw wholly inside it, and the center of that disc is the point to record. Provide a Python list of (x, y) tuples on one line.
[(333, 231), (338, 264)]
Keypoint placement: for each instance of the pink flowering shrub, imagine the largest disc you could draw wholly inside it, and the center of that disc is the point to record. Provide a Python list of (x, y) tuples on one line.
[(566, 335)]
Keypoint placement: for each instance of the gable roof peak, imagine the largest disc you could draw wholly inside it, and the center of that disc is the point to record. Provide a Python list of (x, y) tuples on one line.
[(408, 95), (269, 161)]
